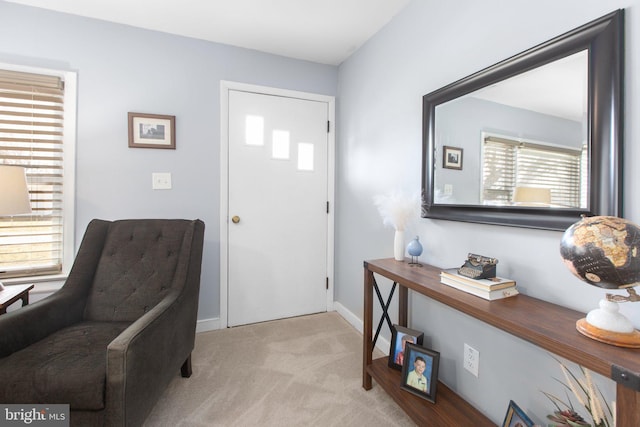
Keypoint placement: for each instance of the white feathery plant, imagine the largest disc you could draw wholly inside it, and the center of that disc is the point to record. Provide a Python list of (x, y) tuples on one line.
[(587, 394), (397, 209)]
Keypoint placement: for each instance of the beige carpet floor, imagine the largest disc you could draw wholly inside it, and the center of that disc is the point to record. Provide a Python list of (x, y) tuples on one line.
[(303, 371)]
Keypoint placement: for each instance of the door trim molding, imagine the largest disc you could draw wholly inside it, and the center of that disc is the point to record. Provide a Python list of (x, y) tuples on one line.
[(225, 88)]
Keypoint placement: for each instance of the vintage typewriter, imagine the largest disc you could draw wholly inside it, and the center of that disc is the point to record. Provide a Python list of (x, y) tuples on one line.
[(478, 267)]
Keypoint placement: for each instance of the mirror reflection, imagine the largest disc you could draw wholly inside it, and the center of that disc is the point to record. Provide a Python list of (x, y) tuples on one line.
[(523, 141)]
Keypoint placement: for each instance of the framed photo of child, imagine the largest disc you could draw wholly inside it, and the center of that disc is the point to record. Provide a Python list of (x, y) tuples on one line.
[(516, 417), (400, 336), (420, 371)]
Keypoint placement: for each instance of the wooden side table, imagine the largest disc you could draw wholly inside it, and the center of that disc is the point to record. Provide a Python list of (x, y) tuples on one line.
[(11, 294)]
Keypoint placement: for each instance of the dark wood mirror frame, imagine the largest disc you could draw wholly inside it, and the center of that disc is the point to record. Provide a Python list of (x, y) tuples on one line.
[(604, 40)]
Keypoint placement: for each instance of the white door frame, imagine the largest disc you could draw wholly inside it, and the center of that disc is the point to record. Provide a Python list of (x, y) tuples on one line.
[(225, 87)]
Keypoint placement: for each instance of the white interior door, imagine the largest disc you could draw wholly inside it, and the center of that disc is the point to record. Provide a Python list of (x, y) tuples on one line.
[(277, 207)]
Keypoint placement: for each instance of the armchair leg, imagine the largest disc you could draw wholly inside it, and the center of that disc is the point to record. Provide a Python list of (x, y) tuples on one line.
[(186, 370)]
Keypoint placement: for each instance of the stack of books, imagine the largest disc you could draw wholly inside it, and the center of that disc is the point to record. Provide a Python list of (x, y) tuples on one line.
[(489, 289)]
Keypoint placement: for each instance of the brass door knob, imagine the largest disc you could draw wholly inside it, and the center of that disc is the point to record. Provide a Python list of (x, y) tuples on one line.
[(235, 219)]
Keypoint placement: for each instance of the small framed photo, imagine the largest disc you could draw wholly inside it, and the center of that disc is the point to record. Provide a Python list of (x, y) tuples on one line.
[(452, 157), (152, 131), (400, 336), (420, 371), (516, 417)]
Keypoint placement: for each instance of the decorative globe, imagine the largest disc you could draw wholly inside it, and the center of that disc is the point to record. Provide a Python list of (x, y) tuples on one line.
[(603, 251)]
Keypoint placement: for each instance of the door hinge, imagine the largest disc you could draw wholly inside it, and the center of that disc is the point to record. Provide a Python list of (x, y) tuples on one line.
[(327, 283), (328, 126), (327, 206)]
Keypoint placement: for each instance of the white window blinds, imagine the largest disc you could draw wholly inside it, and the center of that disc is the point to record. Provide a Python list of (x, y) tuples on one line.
[(509, 164), (31, 124)]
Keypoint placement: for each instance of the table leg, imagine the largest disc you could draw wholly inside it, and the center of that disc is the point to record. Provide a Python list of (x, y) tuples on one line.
[(627, 406), (403, 302), (367, 351)]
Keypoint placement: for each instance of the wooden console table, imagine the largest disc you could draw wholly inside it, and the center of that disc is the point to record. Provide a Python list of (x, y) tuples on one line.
[(546, 325)]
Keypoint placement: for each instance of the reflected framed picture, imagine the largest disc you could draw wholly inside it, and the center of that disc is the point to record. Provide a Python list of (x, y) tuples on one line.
[(420, 371), (152, 131), (451, 157), (516, 417), (400, 336)]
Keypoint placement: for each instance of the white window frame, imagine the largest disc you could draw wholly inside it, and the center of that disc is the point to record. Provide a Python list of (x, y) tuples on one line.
[(49, 283)]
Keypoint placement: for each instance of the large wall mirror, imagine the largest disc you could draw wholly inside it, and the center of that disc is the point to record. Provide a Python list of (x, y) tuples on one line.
[(533, 141)]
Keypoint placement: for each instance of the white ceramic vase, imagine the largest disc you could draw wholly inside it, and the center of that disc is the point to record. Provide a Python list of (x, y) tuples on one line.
[(398, 245)]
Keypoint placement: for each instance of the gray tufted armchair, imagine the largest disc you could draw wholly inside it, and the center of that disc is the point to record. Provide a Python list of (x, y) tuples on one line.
[(112, 338)]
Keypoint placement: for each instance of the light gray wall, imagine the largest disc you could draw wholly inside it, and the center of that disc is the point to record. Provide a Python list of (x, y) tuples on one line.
[(429, 45), (122, 69)]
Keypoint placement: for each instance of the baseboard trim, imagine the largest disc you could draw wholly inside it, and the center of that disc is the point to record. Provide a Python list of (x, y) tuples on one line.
[(206, 325), (383, 344)]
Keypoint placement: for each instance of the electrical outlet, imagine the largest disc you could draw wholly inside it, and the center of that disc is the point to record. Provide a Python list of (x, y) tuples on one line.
[(448, 189), (471, 360)]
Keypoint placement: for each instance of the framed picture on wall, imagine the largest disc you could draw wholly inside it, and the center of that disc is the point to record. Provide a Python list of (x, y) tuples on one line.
[(451, 157), (152, 131), (420, 371), (400, 336)]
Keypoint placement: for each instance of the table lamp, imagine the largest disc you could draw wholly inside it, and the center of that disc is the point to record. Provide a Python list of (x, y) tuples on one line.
[(603, 251), (14, 194)]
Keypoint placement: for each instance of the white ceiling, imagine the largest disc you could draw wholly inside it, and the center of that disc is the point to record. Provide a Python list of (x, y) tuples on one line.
[(557, 89), (324, 31)]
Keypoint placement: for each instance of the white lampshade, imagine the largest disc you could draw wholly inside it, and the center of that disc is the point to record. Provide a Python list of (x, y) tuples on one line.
[(14, 194), (532, 196)]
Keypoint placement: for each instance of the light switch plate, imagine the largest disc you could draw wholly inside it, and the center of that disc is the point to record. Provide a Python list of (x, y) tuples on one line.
[(161, 181)]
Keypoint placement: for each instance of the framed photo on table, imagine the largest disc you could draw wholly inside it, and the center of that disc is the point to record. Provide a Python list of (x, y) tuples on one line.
[(420, 371), (516, 417), (152, 131), (400, 336)]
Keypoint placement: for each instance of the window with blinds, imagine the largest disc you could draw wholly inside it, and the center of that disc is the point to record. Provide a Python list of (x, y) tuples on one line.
[(508, 164), (31, 135)]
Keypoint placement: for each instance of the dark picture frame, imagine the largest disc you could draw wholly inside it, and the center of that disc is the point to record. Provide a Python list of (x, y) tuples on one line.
[(452, 157), (152, 131), (516, 417), (399, 337), (412, 382)]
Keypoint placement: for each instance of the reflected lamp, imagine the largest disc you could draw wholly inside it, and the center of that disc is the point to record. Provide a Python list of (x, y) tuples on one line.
[(531, 196)]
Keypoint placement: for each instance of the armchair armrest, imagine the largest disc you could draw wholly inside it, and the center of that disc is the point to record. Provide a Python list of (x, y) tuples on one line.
[(32, 323), (29, 324), (144, 358)]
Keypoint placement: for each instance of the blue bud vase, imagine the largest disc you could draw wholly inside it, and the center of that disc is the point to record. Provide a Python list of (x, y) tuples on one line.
[(415, 250)]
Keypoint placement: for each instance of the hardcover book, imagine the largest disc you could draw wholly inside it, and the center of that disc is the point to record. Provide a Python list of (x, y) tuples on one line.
[(486, 284), (490, 295)]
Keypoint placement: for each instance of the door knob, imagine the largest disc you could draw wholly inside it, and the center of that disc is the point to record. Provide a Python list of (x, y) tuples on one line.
[(235, 219)]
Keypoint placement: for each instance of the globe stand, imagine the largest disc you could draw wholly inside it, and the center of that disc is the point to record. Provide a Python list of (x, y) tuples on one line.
[(607, 325)]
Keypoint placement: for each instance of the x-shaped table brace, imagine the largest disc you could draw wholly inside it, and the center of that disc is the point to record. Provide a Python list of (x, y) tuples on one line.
[(385, 309)]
